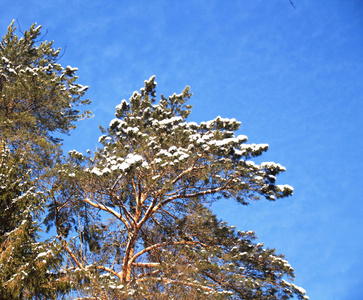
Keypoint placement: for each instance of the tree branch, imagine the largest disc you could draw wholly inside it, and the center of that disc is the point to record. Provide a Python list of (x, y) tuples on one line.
[(163, 244), (128, 215), (108, 209), (176, 281), (202, 193)]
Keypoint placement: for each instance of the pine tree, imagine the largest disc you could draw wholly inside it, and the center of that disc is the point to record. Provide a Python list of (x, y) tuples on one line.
[(134, 217), (38, 101)]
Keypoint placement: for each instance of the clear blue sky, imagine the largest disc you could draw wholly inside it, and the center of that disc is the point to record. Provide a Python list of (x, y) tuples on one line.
[(294, 77)]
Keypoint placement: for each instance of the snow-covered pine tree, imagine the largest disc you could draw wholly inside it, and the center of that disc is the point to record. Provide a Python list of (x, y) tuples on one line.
[(141, 224), (38, 99)]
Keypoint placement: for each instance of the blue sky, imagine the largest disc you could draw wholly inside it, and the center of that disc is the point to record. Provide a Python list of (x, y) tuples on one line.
[(292, 76)]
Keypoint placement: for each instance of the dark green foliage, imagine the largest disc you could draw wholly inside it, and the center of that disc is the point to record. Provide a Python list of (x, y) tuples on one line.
[(38, 100), (25, 262)]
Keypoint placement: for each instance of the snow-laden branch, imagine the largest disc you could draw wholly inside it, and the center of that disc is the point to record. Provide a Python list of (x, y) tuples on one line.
[(147, 264), (113, 272)]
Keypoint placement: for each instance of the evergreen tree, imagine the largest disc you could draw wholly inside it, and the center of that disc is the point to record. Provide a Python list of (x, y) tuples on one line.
[(38, 100), (134, 218)]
